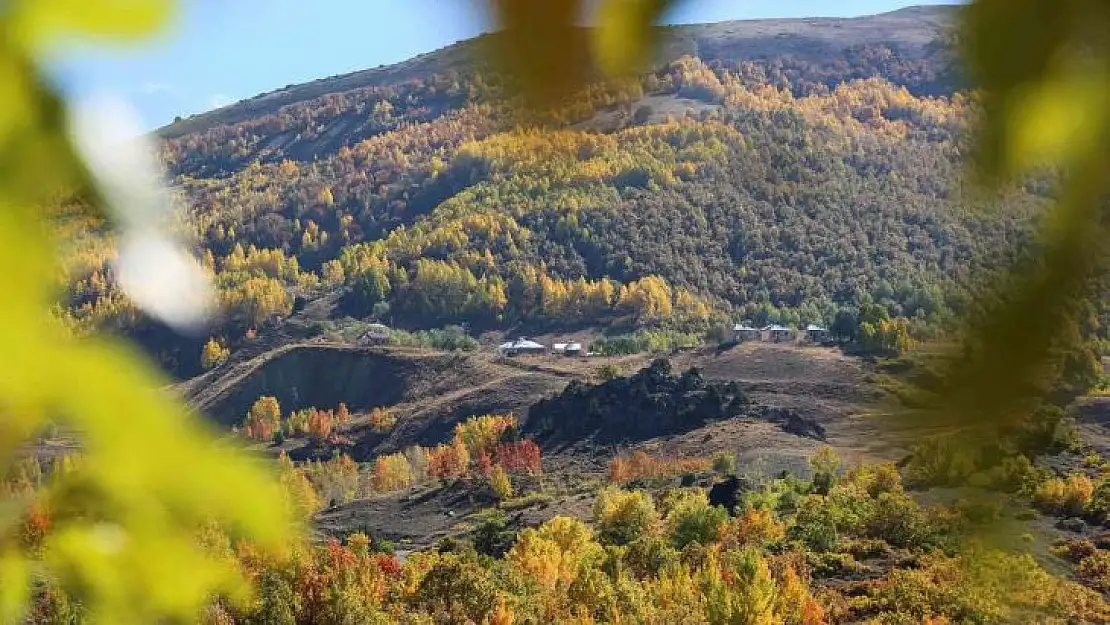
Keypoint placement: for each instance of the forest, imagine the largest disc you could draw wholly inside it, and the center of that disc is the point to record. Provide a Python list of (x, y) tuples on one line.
[(703, 193)]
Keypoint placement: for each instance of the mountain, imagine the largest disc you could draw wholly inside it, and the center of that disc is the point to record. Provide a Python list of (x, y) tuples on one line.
[(913, 31), (775, 170)]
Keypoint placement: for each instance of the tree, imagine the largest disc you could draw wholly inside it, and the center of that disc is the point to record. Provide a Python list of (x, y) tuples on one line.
[(342, 414), (500, 483), (845, 326), (320, 423), (382, 420), (623, 516), (391, 472), (214, 354), (692, 519), (263, 419)]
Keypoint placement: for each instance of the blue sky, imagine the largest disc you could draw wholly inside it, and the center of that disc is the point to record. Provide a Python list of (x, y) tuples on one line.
[(221, 51)]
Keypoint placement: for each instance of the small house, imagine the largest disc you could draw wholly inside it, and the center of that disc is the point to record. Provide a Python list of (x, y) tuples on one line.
[(778, 334), (816, 333), (743, 332), (521, 347), (574, 349), (375, 334), (559, 349)]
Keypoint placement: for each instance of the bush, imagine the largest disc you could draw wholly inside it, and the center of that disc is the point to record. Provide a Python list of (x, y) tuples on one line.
[(492, 536), (897, 519), (1098, 509), (724, 463), (623, 516), (692, 519), (1094, 570), (500, 483), (826, 467), (1068, 496), (815, 525), (382, 420), (649, 556)]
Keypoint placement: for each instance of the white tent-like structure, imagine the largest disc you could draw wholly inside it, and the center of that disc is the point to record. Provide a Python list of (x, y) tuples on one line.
[(521, 346)]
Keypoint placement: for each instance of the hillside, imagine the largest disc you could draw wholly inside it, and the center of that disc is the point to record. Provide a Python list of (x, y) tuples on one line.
[(780, 171), (912, 30)]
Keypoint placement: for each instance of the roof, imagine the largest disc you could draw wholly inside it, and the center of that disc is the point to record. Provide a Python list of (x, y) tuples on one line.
[(778, 328), (742, 327), (521, 344), (813, 328), (377, 327), (574, 347), (559, 346)]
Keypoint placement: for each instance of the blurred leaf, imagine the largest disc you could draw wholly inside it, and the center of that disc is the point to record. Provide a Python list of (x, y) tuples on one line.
[(1057, 120), (14, 586), (38, 20), (542, 46), (626, 34), (1030, 58), (122, 539)]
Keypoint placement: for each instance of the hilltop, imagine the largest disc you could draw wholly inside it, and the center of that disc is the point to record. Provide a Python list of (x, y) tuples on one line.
[(914, 31)]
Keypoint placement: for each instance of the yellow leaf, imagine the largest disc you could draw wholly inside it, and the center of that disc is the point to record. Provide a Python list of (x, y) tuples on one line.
[(14, 588), (1058, 121), (37, 21), (625, 34)]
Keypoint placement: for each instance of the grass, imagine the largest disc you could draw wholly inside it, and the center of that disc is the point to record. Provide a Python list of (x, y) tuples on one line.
[(525, 501)]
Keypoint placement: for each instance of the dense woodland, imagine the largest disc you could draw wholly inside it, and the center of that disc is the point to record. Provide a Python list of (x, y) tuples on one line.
[(775, 191)]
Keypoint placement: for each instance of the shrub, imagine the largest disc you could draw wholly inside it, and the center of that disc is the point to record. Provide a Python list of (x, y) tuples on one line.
[(724, 463), (692, 519), (876, 478), (483, 433), (826, 468), (897, 519), (754, 528), (639, 465), (342, 414), (449, 461), (391, 473), (382, 420), (1094, 571), (1068, 496), (607, 372), (336, 481), (519, 456), (815, 525), (500, 483), (214, 354), (623, 516), (492, 537), (263, 419), (940, 462), (320, 425), (650, 555)]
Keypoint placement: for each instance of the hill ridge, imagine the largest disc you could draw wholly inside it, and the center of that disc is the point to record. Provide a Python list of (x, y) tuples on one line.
[(457, 56)]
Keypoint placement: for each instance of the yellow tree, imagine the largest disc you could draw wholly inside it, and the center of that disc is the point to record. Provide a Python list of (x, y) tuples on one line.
[(214, 354), (263, 419)]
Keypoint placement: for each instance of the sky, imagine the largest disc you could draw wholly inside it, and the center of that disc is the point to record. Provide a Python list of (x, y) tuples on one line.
[(221, 51)]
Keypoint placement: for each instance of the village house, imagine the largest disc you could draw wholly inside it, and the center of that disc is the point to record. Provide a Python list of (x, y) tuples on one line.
[(743, 332), (521, 347), (375, 334), (567, 349), (816, 333), (778, 334)]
